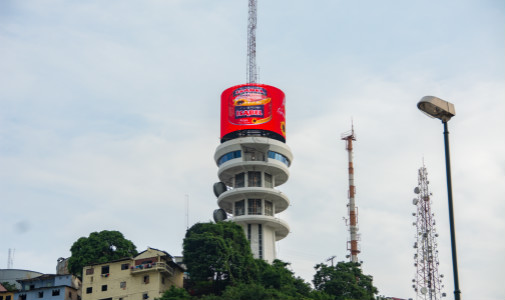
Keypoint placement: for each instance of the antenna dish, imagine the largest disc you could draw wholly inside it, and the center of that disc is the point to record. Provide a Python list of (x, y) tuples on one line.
[(414, 201), (424, 290), (416, 190), (219, 215), (219, 188)]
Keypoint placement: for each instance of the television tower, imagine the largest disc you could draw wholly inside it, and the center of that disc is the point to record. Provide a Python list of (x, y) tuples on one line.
[(427, 283), (253, 157), (352, 244)]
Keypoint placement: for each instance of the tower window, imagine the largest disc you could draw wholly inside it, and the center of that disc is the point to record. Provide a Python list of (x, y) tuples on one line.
[(253, 154), (268, 181), (269, 211), (240, 180), (254, 206), (229, 156), (239, 208), (254, 179), (279, 157), (260, 241)]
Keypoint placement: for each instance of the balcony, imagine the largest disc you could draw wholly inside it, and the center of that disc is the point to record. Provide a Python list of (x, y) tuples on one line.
[(152, 267)]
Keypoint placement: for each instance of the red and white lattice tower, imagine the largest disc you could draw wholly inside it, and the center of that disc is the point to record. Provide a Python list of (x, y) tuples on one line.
[(427, 282), (352, 244)]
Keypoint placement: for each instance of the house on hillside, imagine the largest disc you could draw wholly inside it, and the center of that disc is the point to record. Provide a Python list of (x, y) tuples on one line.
[(145, 276), (49, 286), (5, 294)]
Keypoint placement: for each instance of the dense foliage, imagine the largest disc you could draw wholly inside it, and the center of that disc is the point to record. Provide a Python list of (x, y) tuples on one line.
[(99, 247), (344, 281), (10, 287), (221, 266)]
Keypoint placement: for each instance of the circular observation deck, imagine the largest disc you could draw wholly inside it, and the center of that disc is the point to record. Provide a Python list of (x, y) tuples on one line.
[(279, 199), (280, 227)]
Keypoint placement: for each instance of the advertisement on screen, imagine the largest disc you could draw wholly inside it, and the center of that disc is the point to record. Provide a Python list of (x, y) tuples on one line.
[(253, 106)]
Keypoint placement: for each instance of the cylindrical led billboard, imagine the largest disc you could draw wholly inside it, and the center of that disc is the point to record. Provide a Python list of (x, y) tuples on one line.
[(253, 109)]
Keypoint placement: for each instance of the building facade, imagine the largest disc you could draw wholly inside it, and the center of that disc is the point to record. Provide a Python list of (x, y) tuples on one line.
[(49, 286), (146, 276)]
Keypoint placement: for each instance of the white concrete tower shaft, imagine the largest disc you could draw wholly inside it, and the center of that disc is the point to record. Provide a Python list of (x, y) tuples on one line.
[(251, 167), (352, 244)]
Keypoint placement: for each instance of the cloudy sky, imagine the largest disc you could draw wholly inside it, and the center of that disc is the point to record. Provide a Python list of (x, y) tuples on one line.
[(109, 119)]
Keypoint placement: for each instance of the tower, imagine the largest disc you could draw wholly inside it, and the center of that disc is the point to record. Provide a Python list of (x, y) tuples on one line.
[(253, 160), (427, 283), (253, 157), (352, 244)]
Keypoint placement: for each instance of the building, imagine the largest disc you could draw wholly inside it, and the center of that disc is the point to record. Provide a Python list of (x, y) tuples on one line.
[(253, 160), (5, 294), (13, 275), (146, 276), (49, 286)]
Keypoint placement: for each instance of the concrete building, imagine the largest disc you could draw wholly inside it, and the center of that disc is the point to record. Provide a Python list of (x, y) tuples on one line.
[(50, 286), (253, 160), (146, 276)]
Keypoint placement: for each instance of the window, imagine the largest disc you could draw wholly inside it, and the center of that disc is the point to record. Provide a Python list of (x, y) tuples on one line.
[(145, 296), (32, 286), (239, 180), (122, 285), (269, 211), (8, 297), (105, 270), (146, 279), (260, 241), (254, 206), (21, 297), (163, 280), (229, 156), (91, 279), (90, 271), (125, 266), (104, 288), (56, 292), (253, 178), (70, 295), (239, 208), (2, 297), (249, 232), (268, 181), (89, 290), (253, 154), (41, 294), (279, 157)]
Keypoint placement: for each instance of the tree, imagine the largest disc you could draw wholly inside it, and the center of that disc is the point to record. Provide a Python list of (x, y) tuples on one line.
[(10, 287), (175, 293), (344, 281), (216, 255), (99, 247)]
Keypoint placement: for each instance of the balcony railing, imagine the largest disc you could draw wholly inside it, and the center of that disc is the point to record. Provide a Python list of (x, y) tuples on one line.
[(150, 267)]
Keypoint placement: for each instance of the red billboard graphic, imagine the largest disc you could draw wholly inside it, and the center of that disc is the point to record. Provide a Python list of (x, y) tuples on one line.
[(253, 106)]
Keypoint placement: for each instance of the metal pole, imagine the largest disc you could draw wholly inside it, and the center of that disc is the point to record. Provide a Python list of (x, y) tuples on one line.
[(457, 291)]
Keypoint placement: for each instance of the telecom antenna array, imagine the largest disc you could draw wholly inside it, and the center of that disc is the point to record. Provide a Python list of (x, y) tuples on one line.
[(427, 282), (252, 73), (352, 244)]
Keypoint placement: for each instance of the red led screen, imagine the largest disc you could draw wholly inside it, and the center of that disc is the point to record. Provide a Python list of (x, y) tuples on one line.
[(253, 106)]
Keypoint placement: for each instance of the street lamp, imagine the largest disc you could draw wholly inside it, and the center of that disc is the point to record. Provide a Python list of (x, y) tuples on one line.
[(443, 110)]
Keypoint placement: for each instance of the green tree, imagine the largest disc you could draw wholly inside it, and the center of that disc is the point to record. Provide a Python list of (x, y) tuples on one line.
[(216, 255), (175, 293), (99, 247), (344, 281)]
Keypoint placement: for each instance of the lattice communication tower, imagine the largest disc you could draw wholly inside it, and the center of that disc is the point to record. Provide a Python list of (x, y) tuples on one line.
[(427, 282)]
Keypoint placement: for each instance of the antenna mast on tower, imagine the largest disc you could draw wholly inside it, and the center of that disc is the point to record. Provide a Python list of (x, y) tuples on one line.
[(352, 245), (251, 43)]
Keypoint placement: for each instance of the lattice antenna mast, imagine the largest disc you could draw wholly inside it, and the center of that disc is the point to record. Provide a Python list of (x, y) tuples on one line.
[(352, 244), (252, 73), (427, 283)]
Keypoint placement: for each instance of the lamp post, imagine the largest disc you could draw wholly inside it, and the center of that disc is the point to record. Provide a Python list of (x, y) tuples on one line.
[(443, 110)]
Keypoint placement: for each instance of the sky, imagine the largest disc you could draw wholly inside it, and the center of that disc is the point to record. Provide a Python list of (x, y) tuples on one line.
[(109, 119)]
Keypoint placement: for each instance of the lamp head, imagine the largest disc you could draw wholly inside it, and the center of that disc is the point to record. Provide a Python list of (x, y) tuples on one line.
[(437, 108)]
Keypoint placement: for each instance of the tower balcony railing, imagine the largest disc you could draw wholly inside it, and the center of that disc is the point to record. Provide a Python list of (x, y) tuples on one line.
[(152, 267)]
